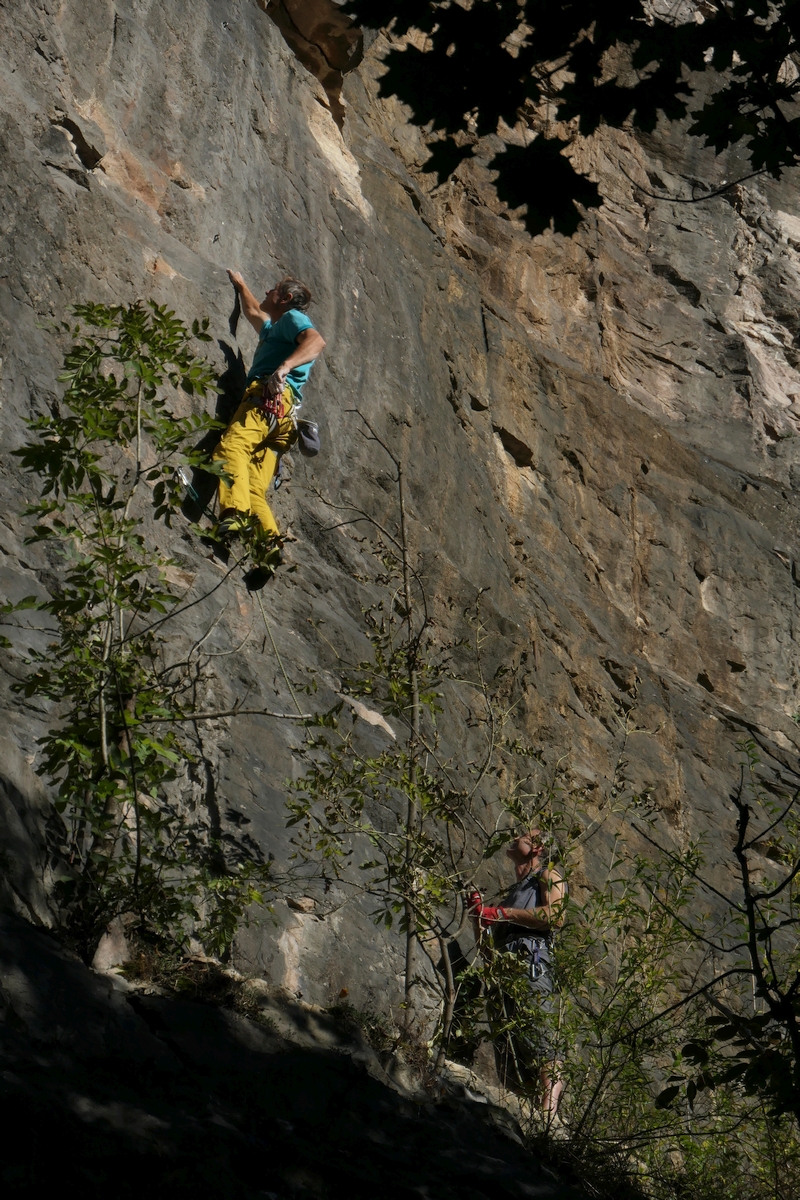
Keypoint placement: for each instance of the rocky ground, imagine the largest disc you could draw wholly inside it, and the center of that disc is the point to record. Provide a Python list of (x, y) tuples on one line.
[(111, 1086)]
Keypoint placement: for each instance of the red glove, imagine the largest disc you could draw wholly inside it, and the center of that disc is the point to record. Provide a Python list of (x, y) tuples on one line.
[(488, 914), (485, 913)]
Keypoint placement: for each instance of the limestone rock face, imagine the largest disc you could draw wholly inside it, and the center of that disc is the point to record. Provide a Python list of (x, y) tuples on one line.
[(324, 39), (602, 431)]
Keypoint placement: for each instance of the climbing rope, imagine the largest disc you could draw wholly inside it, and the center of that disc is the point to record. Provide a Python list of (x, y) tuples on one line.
[(277, 654)]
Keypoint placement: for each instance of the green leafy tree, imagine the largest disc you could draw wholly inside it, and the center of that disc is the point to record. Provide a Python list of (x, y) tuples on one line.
[(106, 458), (751, 957)]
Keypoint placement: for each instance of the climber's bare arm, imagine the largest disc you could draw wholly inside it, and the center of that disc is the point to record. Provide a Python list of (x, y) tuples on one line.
[(310, 345), (250, 306), (548, 915)]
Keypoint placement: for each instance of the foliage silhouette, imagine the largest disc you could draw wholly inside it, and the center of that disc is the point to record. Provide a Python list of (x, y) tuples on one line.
[(751, 1036), (464, 71)]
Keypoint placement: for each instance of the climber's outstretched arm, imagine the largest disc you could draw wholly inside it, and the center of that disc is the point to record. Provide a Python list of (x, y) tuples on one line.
[(250, 306)]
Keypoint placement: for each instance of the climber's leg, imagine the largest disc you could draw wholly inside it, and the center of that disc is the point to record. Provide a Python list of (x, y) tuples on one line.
[(247, 430), (260, 474), (264, 460)]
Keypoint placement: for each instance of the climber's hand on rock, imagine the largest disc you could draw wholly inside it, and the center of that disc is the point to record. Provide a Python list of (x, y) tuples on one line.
[(236, 279), (474, 903)]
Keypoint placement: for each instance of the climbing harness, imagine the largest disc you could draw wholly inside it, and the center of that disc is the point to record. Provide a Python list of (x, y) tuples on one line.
[(273, 409), (536, 948)]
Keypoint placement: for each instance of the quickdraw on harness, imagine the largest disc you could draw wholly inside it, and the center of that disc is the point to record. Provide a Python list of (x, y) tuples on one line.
[(272, 407)]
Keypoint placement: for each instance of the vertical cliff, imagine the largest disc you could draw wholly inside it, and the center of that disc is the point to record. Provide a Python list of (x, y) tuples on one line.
[(601, 431)]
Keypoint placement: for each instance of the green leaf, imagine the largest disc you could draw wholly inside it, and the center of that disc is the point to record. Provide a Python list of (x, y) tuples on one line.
[(664, 1099)]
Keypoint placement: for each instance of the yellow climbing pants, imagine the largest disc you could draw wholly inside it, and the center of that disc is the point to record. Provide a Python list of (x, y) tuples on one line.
[(249, 453)]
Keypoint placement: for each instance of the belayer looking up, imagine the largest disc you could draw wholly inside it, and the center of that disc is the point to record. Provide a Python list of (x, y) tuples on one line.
[(525, 925), (263, 426)]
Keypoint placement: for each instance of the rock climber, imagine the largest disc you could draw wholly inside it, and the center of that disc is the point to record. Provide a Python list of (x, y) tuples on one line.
[(262, 426), (524, 924)]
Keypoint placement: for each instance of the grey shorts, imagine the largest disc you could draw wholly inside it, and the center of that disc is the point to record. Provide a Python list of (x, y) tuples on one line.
[(529, 1048)]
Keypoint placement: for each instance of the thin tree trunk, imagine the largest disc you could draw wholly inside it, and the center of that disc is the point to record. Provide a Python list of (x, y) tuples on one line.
[(449, 1009), (412, 814)]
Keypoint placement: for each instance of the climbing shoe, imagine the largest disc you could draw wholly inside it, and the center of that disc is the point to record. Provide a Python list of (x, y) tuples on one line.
[(256, 578), (266, 550), (233, 524)]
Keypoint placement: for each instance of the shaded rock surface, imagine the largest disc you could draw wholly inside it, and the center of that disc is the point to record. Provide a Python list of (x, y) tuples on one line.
[(600, 430), (324, 39), (145, 1094)]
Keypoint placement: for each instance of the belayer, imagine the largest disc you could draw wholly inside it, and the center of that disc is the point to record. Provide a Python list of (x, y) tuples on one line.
[(264, 425), (525, 925)]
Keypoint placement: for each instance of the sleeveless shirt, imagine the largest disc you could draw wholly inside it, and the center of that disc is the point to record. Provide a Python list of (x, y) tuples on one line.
[(534, 945)]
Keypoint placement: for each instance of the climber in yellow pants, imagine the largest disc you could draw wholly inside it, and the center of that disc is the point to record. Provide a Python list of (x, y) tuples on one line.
[(288, 344), (249, 453)]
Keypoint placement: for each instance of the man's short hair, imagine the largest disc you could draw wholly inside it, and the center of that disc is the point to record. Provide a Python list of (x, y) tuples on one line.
[(296, 292), (548, 841)]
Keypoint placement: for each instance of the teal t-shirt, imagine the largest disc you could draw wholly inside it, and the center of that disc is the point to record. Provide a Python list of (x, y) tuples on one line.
[(275, 344)]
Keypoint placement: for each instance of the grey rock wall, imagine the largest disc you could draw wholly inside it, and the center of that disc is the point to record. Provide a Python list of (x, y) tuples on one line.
[(602, 431)]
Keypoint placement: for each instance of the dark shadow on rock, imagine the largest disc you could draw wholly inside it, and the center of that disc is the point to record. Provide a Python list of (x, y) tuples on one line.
[(31, 836), (462, 1048), (129, 1094), (231, 383)]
